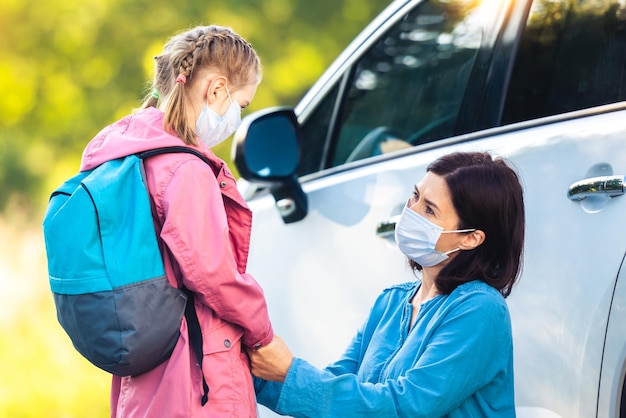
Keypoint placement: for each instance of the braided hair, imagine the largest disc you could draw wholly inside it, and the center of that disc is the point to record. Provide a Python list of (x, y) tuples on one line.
[(203, 47)]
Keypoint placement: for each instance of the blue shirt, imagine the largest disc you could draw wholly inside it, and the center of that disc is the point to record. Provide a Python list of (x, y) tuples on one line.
[(456, 361)]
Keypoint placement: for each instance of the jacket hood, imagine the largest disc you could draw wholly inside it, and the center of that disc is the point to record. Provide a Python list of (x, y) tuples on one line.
[(135, 133)]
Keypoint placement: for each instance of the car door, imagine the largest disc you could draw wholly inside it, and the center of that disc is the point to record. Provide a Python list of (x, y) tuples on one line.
[(432, 77), (570, 59)]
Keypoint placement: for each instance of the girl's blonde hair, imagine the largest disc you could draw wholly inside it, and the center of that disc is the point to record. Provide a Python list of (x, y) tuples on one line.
[(203, 47)]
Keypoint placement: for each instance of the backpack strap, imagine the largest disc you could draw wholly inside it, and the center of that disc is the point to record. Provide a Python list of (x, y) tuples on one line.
[(193, 324), (175, 149), (195, 339)]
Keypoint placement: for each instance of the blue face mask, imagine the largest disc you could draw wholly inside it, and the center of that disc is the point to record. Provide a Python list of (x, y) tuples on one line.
[(213, 128), (417, 237)]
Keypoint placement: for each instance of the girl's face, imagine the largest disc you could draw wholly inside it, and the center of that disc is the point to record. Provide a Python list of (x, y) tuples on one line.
[(242, 96), (211, 88)]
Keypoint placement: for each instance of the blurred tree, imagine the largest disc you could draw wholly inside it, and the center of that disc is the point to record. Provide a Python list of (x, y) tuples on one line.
[(69, 67)]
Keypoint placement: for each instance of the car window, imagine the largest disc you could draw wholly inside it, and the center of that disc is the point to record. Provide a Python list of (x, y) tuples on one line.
[(572, 56), (314, 134), (408, 88)]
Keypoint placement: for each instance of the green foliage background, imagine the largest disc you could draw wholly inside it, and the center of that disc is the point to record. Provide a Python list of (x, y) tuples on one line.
[(68, 68)]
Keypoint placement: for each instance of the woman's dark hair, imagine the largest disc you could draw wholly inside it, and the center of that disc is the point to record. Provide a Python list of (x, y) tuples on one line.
[(487, 195)]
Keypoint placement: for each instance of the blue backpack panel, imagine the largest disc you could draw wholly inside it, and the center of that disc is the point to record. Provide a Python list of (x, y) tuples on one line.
[(106, 271)]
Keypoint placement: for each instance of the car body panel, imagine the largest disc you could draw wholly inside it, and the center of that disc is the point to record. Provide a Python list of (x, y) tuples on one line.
[(614, 356), (322, 274)]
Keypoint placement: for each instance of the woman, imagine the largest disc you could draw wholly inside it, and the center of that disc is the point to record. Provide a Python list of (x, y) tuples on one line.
[(203, 79), (440, 346)]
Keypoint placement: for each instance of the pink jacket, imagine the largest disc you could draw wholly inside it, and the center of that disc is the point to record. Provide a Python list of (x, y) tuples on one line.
[(204, 227)]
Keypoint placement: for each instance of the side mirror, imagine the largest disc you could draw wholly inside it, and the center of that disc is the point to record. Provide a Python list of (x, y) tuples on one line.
[(266, 151)]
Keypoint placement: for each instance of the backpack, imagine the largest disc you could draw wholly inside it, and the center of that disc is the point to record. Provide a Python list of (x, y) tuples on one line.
[(106, 272)]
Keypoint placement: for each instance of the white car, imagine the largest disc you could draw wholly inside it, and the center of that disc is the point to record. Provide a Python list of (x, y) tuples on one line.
[(541, 83)]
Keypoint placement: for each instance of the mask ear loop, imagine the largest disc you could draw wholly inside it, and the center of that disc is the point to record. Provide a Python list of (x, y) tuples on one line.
[(228, 92), (232, 102), (457, 231), (452, 251)]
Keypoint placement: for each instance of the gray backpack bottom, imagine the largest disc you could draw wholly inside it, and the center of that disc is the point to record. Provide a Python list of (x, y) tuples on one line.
[(154, 309)]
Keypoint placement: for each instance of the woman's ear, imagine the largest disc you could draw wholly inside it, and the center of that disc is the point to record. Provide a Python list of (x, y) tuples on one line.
[(472, 240)]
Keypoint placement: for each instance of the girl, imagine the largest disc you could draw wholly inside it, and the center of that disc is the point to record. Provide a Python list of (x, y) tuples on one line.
[(203, 79)]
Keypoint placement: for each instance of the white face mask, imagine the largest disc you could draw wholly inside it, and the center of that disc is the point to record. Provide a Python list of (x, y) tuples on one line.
[(417, 237), (213, 128)]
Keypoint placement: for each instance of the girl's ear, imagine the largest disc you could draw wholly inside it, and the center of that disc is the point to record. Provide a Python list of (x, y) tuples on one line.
[(472, 240), (217, 87)]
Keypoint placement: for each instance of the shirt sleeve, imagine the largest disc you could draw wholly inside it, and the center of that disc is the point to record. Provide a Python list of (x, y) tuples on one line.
[(268, 392), (351, 358), (196, 232), (468, 350)]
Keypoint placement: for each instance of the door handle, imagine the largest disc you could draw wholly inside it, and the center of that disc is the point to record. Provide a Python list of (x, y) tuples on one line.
[(611, 186), (387, 229)]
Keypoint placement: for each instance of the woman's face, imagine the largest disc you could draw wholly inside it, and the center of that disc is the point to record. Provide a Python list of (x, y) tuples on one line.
[(431, 199)]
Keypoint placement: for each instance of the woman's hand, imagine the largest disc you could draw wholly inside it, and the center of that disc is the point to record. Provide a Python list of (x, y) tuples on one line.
[(271, 362)]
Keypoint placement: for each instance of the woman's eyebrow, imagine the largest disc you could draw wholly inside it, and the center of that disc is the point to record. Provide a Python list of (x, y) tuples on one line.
[(432, 204), (428, 202)]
